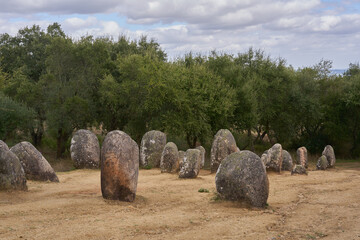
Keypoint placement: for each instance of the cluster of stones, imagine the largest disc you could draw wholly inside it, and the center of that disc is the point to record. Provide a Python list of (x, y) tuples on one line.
[(327, 160), (277, 159)]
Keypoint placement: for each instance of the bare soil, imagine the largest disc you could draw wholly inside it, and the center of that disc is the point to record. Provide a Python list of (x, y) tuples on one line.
[(324, 204)]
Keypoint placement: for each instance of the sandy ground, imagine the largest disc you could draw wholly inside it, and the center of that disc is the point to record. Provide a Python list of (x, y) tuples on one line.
[(324, 204)]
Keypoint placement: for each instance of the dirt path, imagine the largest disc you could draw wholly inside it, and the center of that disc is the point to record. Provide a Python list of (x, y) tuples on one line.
[(324, 204)]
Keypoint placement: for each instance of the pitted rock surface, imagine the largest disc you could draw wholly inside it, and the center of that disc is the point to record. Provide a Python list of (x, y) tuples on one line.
[(322, 163), (181, 159), (12, 175), (223, 145), (170, 158), (36, 167), (4, 146), (202, 151), (299, 169), (330, 155), (242, 177), (85, 149), (302, 157), (191, 164), (287, 163), (119, 167), (151, 148)]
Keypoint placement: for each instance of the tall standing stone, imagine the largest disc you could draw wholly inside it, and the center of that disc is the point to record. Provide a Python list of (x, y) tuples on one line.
[(242, 177), (36, 167), (85, 149), (287, 163), (223, 145), (119, 167), (302, 157), (202, 151), (330, 155), (152, 145), (191, 164), (169, 158), (12, 175)]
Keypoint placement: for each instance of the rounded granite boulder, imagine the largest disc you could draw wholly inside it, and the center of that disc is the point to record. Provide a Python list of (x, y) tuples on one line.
[(302, 157), (202, 151), (3, 146), (287, 163), (273, 158), (242, 177), (170, 158), (322, 163), (330, 155), (190, 167), (151, 148)]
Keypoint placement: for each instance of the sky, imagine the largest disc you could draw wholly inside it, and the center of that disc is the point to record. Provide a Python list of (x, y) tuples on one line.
[(300, 31)]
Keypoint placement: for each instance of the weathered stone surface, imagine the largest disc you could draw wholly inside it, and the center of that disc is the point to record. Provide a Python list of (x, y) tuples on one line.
[(3, 146), (12, 175), (299, 169), (191, 164), (264, 157), (242, 177), (85, 149), (273, 158), (119, 167), (301, 156), (287, 163), (322, 163), (36, 167), (202, 151), (169, 158), (223, 145), (330, 155), (181, 159), (151, 148)]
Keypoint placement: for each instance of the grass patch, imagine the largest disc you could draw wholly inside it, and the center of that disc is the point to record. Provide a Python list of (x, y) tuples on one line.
[(148, 167), (203, 190)]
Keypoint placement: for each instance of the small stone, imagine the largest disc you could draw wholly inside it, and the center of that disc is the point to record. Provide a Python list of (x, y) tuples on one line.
[(322, 163), (36, 167), (169, 158), (287, 163), (299, 169), (242, 177), (191, 164), (202, 150), (119, 167), (301, 157), (151, 148), (330, 155)]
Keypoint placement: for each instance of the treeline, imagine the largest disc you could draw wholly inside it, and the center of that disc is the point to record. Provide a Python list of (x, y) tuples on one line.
[(51, 84)]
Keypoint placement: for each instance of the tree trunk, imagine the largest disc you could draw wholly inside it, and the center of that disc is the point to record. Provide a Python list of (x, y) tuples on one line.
[(37, 134), (191, 141), (60, 143)]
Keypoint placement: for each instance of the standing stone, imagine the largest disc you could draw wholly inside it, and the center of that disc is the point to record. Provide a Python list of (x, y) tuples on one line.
[(275, 158), (202, 151), (181, 159), (152, 145), (301, 157), (322, 163), (119, 167), (264, 157), (85, 149), (36, 167), (287, 163), (330, 155), (12, 175), (299, 169), (242, 177), (191, 164), (223, 145), (169, 158)]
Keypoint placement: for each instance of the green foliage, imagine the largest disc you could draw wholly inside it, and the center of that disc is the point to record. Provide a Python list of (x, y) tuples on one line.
[(203, 190)]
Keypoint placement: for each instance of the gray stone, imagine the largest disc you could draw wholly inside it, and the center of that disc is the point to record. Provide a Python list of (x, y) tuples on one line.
[(119, 167), (85, 149), (169, 158), (223, 145), (191, 164), (301, 157), (36, 167), (264, 157), (322, 163), (242, 177), (299, 169), (202, 150), (330, 155), (287, 163), (273, 158), (151, 147), (4, 146), (12, 175), (181, 159)]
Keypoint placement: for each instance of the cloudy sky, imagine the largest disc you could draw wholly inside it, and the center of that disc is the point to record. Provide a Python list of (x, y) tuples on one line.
[(301, 31)]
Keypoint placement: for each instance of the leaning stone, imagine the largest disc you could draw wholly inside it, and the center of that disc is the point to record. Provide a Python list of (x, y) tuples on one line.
[(287, 163), (301, 156), (322, 163), (152, 145), (242, 177), (85, 149), (36, 167), (202, 150), (12, 175), (299, 169), (191, 164), (119, 167), (3, 145), (330, 155), (181, 159), (169, 158), (223, 145)]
